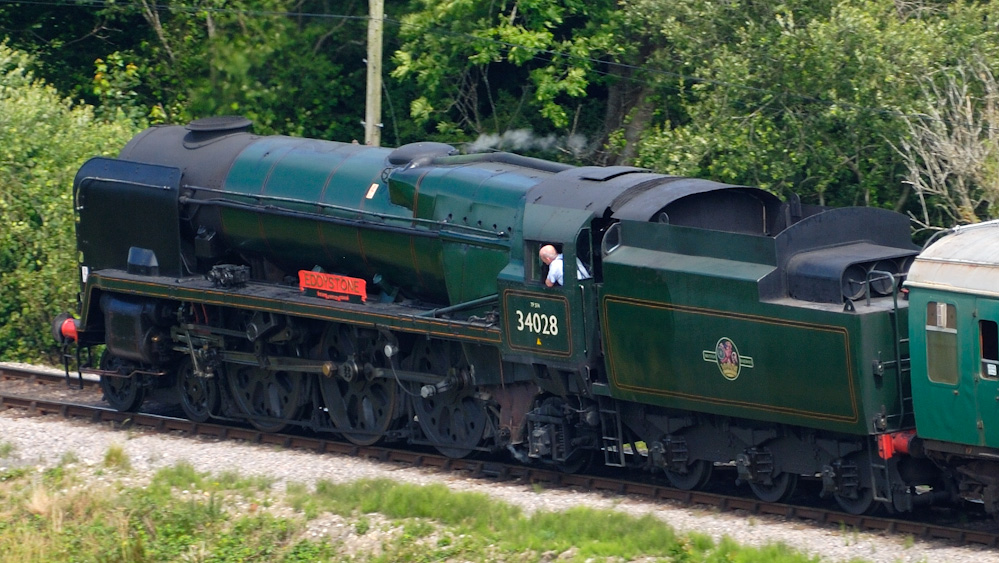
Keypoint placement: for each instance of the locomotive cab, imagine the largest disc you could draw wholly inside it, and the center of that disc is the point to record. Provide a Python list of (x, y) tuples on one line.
[(551, 327)]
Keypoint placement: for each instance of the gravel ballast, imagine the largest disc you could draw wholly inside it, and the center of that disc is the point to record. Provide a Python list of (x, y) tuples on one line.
[(43, 441)]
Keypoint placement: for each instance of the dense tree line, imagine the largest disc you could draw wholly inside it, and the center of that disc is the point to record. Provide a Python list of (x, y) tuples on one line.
[(845, 102), (816, 97), (44, 138)]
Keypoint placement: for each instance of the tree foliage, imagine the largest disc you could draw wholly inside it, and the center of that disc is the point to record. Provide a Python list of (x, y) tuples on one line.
[(952, 150), (493, 67), (804, 96), (847, 102), (206, 57), (44, 139), (292, 66), (64, 39)]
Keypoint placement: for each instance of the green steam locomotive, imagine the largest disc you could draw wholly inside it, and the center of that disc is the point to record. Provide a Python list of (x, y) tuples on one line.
[(398, 295)]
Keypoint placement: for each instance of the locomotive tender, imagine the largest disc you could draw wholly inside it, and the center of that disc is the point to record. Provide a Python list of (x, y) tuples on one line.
[(397, 295)]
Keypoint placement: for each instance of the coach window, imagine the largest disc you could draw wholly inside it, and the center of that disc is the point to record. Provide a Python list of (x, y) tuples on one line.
[(988, 332), (941, 342)]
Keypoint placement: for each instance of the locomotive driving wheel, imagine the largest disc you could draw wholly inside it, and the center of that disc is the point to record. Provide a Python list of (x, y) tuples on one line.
[(269, 399), (123, 392), (199, 395), (362, 408), (454, 420)]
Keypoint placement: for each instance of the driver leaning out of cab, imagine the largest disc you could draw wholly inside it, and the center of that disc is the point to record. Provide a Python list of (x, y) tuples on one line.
[(551, 258)]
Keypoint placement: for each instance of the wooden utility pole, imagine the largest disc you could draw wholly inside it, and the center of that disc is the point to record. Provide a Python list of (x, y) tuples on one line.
[(373, 99)]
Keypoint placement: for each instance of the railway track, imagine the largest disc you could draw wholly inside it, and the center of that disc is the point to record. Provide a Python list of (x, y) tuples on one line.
[(32, 399)]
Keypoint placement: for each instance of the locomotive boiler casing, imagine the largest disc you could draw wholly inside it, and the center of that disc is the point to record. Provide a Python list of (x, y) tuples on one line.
[(282, 205)]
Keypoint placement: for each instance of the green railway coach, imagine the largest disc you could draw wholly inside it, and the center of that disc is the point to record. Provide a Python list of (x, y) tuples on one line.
[(954, 302)]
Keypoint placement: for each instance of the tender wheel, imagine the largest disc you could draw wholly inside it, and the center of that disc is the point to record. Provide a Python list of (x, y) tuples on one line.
[(861, 503), (856, 496), (579, 461), (124, 393), (270, 400), (453, 421), (199, 396), (779, 489), (362, 408), (697, 476)]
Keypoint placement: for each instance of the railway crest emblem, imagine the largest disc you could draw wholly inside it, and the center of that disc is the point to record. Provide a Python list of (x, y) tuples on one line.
[(728, 359)]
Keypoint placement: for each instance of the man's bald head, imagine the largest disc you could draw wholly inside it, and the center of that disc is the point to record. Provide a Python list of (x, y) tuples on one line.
[(547, 254)]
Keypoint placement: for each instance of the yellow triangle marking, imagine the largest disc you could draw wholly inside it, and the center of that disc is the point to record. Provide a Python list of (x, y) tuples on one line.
[(539, 342)]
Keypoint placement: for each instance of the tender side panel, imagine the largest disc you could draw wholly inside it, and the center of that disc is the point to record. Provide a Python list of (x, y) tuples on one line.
[(664, 349), (690, 332), (726, 363)]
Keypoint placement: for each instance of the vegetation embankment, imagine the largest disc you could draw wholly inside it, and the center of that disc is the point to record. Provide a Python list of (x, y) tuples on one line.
[(843, 102), (44, 138), (107, 514)]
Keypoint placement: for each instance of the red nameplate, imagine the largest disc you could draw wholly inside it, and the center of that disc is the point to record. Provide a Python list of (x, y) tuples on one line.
[(332, 287)]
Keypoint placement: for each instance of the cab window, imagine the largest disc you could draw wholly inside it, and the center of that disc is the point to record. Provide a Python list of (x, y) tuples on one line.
[(941, 342), (534, 269), (988, 334), (586, 261)]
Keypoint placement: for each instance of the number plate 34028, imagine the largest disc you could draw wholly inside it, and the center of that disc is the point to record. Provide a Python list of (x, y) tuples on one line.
[(538, 324)]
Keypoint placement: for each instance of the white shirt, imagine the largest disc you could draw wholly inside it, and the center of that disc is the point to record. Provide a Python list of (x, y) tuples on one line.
[(555, 273)]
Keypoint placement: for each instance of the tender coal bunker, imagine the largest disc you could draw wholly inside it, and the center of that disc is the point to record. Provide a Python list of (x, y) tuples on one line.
[(836, 255), (831, 275), (731, 210)]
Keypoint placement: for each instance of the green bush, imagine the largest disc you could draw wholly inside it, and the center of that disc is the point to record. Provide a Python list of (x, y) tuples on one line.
[(44, 139)]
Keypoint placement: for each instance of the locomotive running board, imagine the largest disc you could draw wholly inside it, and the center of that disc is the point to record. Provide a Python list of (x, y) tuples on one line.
[(285, 300)]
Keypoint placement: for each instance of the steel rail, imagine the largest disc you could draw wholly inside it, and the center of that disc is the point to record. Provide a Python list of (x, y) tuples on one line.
[(43, 376), (484, 469)]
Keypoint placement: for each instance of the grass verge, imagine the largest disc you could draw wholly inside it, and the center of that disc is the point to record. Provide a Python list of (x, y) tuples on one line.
[(65, 514)]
